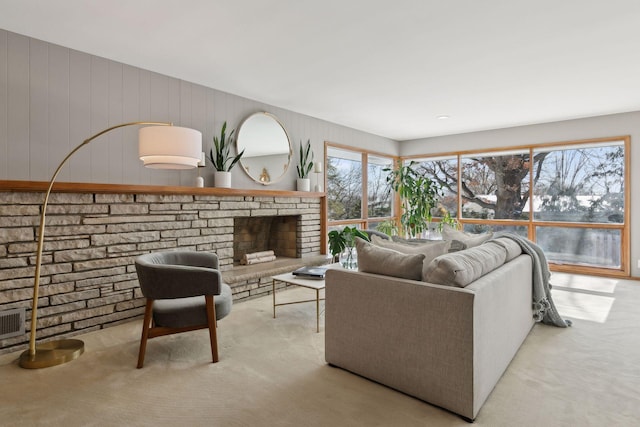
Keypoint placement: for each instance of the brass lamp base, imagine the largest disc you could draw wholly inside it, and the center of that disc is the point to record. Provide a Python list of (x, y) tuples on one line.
[(52, 353)]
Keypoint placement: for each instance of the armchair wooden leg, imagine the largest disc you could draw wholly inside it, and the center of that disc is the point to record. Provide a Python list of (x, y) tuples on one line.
[(211, 321), (145, 331)]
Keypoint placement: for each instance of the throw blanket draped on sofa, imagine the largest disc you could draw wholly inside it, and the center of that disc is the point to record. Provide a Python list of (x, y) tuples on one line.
[(543, 307)]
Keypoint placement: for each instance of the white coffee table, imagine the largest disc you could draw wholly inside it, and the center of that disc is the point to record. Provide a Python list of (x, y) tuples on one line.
[(316, 284)]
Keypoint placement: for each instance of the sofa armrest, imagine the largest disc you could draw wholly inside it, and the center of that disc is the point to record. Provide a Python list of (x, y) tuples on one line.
[(503, 317), (412, 336)]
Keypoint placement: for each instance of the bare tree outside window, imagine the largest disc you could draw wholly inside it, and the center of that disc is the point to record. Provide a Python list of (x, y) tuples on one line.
[(582, 185), (344, 185), (573, 184), (346, 170), (379, 192)]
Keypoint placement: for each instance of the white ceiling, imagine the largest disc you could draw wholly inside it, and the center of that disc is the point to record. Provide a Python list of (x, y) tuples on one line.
[(385, 67)]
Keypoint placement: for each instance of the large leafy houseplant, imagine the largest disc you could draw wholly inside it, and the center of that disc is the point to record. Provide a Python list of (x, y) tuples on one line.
[(342, 243), (418, 195), (221, 157)]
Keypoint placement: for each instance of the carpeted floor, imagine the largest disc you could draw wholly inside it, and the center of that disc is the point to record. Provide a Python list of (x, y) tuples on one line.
[(272, 373)]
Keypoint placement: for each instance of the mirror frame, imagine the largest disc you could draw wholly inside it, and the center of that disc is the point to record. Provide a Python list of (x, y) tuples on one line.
[(238, 148)]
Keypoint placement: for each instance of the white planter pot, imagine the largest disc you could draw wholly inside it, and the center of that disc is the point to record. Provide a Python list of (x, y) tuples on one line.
[(304, 184), (222, 179)]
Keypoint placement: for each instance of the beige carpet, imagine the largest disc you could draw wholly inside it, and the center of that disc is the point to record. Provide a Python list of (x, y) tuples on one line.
[(272, 373)]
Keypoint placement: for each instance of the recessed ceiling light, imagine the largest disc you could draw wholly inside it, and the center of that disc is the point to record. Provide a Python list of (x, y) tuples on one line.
[(442, 117)]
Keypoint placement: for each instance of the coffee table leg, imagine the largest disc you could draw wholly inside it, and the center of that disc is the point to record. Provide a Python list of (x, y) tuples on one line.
[(273, 291), (317, 310)]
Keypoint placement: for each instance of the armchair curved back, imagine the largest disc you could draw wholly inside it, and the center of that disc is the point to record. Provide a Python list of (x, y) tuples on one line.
[(178, 274)]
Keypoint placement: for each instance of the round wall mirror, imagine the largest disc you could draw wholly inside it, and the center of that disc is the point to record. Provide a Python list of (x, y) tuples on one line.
[(267, 148)]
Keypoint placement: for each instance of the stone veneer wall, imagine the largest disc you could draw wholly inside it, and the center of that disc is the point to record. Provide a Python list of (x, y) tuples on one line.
[(88, 279)]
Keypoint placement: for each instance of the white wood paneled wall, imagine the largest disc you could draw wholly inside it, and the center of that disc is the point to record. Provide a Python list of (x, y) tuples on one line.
[(52, 98)]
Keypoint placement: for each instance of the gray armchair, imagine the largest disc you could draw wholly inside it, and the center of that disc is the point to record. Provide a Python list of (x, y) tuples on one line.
[(184, 292)]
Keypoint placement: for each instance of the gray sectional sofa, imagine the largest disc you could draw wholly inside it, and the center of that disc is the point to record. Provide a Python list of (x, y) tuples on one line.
[(447, 344)]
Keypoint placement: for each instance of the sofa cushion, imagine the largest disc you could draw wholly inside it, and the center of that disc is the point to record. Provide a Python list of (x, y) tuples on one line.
[(467, 240), (453, 247), (430, 249), (512, 247), (388, 262), (463, 267)]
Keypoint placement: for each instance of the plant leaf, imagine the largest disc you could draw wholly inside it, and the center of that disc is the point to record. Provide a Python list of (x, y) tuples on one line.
[(222, 160)]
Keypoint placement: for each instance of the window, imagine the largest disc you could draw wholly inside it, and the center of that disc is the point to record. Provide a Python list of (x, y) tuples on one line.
[(584, 184), (592, 246), (496, 185), (344, 184), (357, 191), (569, 198), (379, 194), (445, 171)]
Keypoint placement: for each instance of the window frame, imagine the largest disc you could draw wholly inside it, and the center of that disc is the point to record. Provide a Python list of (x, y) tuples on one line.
[(531, 223)]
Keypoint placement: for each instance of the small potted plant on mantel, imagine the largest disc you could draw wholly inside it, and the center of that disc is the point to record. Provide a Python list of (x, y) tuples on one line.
[(221, 158), (304, 167)]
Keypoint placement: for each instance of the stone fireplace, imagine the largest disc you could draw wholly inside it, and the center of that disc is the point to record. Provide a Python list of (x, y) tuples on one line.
[(88, 278)]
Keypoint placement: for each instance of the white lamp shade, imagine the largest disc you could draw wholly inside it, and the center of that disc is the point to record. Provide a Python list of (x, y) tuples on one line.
[(169, 147), (318, 167)]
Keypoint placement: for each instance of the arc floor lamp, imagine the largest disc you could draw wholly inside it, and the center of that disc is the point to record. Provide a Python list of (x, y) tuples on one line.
[(161, 146)]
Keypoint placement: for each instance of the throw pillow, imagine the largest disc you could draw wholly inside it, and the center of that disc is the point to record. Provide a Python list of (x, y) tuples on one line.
[(464, 267), (430, 249), (378, 260), (468, 240), (513, 249)]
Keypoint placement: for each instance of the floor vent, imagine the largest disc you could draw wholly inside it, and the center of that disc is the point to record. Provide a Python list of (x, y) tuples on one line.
[(11, 323)]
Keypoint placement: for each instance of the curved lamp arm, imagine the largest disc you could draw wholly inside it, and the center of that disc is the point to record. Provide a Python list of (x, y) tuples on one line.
[(28, 358)]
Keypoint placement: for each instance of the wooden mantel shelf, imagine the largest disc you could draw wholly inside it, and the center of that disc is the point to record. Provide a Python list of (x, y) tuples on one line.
[(74, 187)]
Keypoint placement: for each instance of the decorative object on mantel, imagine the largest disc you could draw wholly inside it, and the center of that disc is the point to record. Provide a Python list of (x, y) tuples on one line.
[(318, 171), (304, 167), (267, 148), (161, 146), (258, 257), (202, 163), (221, 159), (342, 243)]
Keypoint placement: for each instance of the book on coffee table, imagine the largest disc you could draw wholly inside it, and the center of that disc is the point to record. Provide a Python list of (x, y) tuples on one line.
[(316, 272)]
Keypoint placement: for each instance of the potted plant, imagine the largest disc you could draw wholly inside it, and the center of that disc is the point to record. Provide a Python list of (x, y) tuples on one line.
[(342, 245), (305, 163), (418, 195), (222, 159)]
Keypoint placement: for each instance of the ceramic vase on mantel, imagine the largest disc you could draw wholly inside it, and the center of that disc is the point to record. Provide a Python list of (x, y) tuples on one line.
[(222, 179), (303, 184)]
